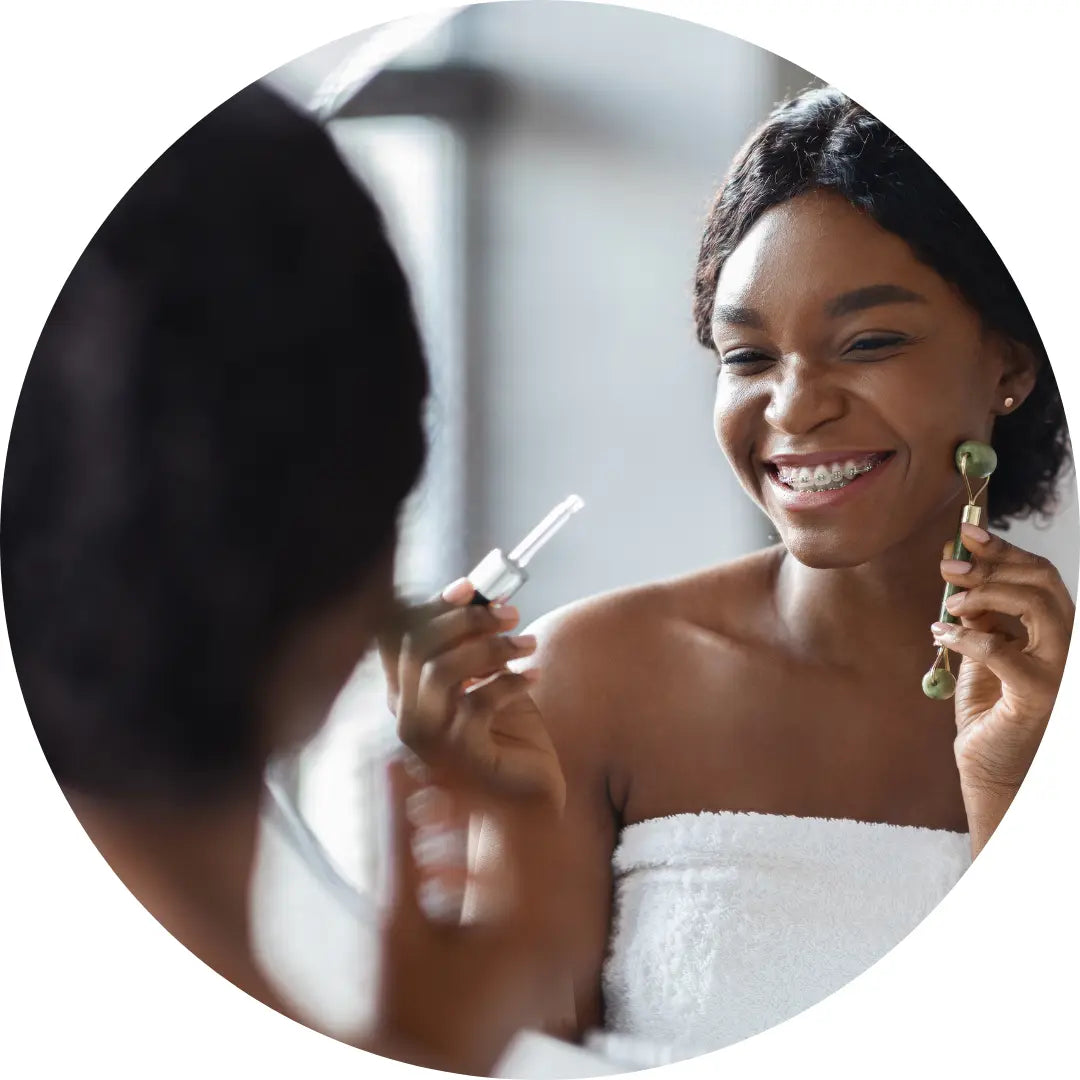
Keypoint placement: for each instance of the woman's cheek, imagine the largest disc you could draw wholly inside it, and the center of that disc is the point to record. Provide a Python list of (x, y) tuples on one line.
[(738, 410), (735, 423)]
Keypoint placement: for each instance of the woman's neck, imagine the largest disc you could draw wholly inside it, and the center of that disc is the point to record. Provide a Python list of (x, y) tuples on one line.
[(863, 614), (191, 868)]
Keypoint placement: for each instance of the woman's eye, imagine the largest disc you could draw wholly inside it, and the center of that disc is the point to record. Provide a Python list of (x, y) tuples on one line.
[(744, 361), (877, 343)]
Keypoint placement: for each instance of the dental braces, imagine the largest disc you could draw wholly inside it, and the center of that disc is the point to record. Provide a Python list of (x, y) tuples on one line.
[(838, 477)]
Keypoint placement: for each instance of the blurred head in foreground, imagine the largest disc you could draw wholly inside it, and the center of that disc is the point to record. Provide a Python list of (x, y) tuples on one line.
[(217, 430)]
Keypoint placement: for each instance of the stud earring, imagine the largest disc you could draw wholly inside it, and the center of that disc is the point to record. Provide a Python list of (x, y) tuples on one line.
[(973, 459), (1009, 401)]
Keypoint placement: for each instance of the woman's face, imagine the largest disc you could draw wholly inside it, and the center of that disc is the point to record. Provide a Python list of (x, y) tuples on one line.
[(841, 355)]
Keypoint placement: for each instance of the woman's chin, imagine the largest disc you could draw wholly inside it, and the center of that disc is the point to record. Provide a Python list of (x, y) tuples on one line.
[(822, 549), (823, 561)]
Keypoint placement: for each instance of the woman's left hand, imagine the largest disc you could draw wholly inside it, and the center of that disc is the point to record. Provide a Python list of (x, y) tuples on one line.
[(1016, 619)]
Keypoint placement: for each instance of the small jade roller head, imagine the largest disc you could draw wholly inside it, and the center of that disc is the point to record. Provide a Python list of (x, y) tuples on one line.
[(981, 459), (939, 684)]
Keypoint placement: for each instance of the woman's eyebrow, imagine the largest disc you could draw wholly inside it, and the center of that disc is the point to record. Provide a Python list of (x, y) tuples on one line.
[(871, 296), (857, 300), (733, 315)]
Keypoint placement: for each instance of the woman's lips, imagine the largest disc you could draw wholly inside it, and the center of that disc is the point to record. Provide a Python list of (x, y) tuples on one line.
[(794, 500), (825, 457)]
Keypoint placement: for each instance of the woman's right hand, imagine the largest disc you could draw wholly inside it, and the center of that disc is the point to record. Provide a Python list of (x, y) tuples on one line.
[(458, 706)]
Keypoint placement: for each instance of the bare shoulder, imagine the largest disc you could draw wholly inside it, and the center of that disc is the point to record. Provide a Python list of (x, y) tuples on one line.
[(589, 637), (619, 654)]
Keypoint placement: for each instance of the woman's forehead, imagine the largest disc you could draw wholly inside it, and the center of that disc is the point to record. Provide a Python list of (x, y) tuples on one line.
[(812, 249)]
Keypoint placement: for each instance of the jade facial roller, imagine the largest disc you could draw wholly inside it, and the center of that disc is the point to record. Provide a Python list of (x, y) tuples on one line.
[(977, 461)]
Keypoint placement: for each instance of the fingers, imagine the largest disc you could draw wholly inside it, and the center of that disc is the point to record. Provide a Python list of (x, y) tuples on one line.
[(475, 659), (429, 851), (441, 684), (994, 649), (1037, 609), (391, 638), (448, 630), (455, 595), (435, 628), (990, 546), (997, 560), (408, 623), (503, 736), (458, 592), (476, 714), (1002, 579), (493, 696)]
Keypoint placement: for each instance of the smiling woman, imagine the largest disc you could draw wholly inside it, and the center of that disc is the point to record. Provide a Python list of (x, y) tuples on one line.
[(763, 799), (927, 252), (848, 347)]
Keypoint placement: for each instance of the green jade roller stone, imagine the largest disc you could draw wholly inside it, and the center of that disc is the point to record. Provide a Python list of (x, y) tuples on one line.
[(939, 684), (982, 461)]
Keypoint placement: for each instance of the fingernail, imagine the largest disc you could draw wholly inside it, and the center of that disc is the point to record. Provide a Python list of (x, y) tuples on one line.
[(954, 601), (437, 902), (523, 642), (433, 845), (973, 532), (458, 592), (506, 613), (940, 629), (955, 566)]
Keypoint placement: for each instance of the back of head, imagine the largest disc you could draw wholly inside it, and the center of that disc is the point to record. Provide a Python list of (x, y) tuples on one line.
[(217, 429), (821, 139)]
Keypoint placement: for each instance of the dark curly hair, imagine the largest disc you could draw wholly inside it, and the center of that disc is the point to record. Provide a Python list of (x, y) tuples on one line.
[(823, 139), (216, 432)]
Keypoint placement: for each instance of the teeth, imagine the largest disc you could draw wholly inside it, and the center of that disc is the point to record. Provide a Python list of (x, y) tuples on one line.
[(823, 477)]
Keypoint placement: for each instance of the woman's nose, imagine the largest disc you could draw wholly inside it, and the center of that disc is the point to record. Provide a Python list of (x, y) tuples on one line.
[(803, 398)]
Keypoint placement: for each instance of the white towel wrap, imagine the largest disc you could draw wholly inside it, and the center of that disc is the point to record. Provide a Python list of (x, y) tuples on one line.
[(729, 923)]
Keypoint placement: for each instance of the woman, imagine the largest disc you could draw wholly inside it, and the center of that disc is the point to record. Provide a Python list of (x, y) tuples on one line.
[(761, 797), (217, 431)]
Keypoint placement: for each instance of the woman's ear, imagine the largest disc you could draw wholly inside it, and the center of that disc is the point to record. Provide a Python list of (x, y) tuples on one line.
[(1019, 372)]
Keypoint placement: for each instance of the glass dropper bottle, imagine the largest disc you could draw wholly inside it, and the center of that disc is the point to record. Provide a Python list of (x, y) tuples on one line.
[(498, 576)]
